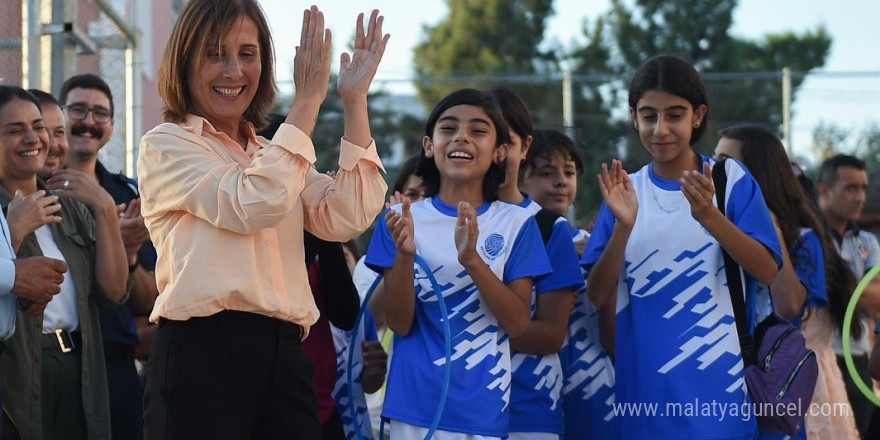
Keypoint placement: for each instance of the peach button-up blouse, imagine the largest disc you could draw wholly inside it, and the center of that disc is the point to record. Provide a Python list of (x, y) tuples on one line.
[(228, 223)]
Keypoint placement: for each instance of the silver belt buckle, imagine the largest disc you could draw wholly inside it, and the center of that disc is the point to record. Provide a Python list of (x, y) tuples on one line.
[(65, 348)]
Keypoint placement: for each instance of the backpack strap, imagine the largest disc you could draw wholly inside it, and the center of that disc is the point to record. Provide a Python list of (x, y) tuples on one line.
[(734, 274), (546, 219)]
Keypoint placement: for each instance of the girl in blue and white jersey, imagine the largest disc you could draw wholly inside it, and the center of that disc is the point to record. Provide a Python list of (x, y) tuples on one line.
[(802, 289), (655, 255), (483, 254)]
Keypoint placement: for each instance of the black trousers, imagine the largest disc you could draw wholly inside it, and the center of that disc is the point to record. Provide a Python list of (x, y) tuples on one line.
[(126, 395), (232, 375)]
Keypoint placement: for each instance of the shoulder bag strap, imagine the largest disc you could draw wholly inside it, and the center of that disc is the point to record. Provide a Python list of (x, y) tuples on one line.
[(734, 278)]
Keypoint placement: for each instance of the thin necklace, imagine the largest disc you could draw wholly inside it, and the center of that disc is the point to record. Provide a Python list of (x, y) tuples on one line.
[(681, 196), (657, 201)]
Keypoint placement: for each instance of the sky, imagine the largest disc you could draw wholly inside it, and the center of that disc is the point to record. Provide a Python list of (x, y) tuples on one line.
[(843, 93)]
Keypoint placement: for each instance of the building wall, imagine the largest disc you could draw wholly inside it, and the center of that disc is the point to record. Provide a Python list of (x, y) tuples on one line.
[(10, 42)]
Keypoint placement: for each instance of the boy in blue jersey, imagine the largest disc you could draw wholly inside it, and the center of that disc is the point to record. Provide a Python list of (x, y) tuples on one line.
[(550, 174), (535, 407), (655, 257)]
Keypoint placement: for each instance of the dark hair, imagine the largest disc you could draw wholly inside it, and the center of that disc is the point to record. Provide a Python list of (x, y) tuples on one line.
[(43, 97), (806, 183), (201, 24), (85, 81), (673, 75), (764, 156), (427, 168), (407, 169), (9, 93), (828, 169), (549, 143), (273, 123), (515, 111)]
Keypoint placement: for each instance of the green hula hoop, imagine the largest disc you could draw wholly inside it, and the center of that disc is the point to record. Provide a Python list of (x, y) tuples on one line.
[(867, 390)]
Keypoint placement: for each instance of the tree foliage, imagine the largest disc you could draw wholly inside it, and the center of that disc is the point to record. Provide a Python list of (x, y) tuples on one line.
[(502, 42), (484, 43)]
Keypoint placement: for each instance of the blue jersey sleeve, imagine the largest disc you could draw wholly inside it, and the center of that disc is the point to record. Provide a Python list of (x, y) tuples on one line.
[(810, 269), (369, 326), (747, 209), (599, 237), (563, 259), (527, 255), (380, 253)]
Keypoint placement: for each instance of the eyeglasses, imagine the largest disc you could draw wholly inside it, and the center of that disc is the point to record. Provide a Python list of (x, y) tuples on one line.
[(80, 111)]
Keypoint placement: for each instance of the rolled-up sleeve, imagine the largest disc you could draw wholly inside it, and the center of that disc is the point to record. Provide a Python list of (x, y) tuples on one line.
[(341, 209), (181, 171)]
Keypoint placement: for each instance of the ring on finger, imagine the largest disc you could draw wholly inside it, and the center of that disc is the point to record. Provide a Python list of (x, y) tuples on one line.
[(65, 185)]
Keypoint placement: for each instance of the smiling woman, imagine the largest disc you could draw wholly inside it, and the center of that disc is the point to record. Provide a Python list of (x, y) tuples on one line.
[(227, 209), (58, 341)]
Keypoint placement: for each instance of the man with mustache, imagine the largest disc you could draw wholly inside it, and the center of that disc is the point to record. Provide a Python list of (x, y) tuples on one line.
[(88, 109)]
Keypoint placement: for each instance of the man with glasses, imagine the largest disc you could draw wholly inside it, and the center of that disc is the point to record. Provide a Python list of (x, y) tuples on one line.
[(88, 108)]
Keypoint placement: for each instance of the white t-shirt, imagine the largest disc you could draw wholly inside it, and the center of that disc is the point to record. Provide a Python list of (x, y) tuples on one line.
[(62, 312)]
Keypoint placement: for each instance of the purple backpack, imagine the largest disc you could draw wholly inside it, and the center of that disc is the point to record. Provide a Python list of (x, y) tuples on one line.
[(781, 376)]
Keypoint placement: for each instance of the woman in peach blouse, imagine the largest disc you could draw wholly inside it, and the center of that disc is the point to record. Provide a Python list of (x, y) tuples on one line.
[(227, 209)]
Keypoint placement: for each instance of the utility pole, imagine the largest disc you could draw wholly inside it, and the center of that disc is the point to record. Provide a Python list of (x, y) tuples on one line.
[(786, 111), (567, 105)]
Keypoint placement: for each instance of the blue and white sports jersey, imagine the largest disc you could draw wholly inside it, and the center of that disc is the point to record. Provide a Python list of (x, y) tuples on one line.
[(344, 396), (479, 393), (678, 359), (537, 380), (588, 372)]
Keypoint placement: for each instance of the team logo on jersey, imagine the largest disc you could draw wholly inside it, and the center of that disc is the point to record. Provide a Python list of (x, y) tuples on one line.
[(493, 245)]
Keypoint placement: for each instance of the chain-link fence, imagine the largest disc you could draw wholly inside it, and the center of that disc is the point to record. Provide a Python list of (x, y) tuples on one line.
[(112, 66)]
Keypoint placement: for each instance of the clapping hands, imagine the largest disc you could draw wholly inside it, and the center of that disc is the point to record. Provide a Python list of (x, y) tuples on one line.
[(356, 71), (618, 193)]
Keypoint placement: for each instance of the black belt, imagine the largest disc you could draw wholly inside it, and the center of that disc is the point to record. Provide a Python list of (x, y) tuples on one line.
[(62, 340)]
